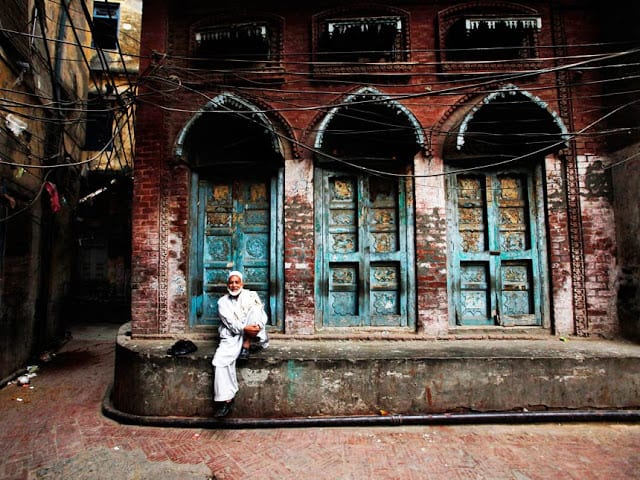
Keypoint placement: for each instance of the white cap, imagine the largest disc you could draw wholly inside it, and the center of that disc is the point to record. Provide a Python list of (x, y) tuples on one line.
[(235, 273)]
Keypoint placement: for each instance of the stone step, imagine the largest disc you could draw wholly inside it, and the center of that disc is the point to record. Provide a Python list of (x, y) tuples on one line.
[(310, 378)]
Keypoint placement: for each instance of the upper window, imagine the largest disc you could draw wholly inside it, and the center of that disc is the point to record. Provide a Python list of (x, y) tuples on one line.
[(361, 40), (364, 39), (99, 127), (236, 45), (493, 38), (105, 25)]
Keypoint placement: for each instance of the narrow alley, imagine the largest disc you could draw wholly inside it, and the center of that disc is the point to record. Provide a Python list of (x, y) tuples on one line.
[(53, 428)]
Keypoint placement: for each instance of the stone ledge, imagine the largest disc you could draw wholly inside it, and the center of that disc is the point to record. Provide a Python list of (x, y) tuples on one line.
[(300, 378), (380, 420)]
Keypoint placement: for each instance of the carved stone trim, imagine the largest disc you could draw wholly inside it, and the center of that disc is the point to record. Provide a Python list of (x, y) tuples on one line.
[(163, 254), (313, 134), (362, 69), (454, 114), (260, 111), (573, 181)]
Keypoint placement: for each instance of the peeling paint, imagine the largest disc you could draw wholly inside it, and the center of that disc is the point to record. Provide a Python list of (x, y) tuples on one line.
[(254, 377), (332, 385), (293, 374), (396, 374), (16, 125)]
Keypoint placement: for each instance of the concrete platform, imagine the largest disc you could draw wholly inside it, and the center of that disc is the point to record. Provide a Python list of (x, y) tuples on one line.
[(312, 378)]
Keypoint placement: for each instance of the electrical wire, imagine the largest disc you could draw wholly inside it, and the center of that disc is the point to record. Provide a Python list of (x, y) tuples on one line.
[(247, 115), (625, 160), (499, 77), (409, 51), (405, 96), (28, 205), (52, 104)]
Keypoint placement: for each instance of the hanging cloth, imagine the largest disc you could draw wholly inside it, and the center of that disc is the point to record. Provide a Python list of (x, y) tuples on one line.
[(53, 196)]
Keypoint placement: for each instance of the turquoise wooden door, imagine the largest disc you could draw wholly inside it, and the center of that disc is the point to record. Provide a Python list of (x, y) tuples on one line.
[(233, 231), (362, 251), (496, 256)]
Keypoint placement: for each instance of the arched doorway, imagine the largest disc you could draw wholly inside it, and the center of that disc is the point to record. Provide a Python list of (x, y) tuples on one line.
[(236, 205), (364, 213), (496, 216)]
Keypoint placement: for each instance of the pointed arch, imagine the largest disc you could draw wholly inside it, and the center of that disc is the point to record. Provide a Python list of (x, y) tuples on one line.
[(236, 154), (233, 104), (368, 95), (503, 93), (455, 136), (503, 136)]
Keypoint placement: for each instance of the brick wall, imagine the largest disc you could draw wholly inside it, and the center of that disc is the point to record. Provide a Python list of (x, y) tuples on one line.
[(431, 247), (150, 160), (559, 248), (161, 196), (599, 229)]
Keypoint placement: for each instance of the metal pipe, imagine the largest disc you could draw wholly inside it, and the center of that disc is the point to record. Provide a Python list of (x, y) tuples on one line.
[(626, 415)]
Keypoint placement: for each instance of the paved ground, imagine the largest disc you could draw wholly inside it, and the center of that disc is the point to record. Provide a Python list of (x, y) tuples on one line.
[(55, 430)]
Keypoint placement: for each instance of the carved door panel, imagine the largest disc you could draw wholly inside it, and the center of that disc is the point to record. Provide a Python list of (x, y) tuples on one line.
[(233, 233), (497, 280), (363, 251)]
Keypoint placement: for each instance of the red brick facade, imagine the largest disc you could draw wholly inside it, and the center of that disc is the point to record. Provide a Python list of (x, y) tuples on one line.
[(296, 93)]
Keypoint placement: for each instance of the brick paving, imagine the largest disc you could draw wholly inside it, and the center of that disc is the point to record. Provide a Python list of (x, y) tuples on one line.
[(55, 430)]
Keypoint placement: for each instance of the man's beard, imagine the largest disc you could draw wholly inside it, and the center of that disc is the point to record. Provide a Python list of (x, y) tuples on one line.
[(234, 294)]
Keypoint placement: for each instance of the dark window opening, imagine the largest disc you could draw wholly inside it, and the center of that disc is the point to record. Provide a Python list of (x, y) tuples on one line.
[(362, 40), (99, 129), (105, 25), (233, 46), (492, 38), (14, 21)]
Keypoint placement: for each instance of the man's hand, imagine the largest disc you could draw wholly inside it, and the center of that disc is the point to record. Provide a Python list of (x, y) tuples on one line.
[(252, 330)]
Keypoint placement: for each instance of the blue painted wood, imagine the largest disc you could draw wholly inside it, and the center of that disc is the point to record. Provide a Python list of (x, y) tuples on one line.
[(496, 272), (362, 251), (233, 229)]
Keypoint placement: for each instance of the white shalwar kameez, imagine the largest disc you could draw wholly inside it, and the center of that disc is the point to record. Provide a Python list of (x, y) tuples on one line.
[(235, 314)]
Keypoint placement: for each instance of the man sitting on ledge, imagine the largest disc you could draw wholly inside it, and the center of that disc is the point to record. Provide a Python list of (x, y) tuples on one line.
[(242, 318)]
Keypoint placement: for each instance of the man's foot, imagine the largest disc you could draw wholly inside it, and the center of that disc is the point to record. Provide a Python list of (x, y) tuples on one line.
[(223, 410), (244, 354)]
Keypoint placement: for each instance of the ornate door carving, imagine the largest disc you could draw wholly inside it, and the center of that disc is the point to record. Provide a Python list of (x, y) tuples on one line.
[(233, 232), (362, 251), (496, 274)]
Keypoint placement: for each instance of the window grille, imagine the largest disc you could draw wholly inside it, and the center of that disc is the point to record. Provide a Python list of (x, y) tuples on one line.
[(363, 40), (235, 45)]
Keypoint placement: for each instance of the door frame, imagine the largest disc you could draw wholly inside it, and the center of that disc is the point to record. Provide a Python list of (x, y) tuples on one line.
[(408, 288), (536, 173), (276, 252)]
